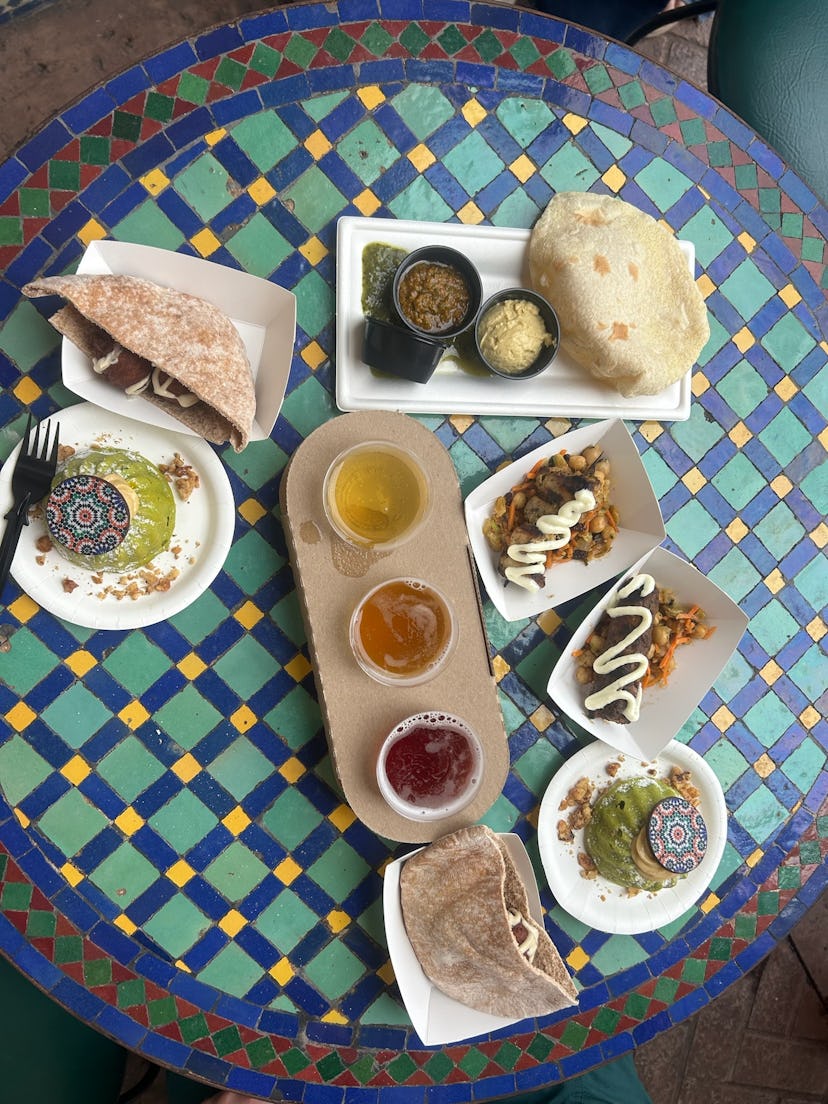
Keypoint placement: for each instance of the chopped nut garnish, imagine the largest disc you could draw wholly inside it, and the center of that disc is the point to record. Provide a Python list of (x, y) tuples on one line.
[(64, 452), (44, 544), (613, 768), (588, 868), (183, 476), (69, 585), (680, 781), (564, 832)]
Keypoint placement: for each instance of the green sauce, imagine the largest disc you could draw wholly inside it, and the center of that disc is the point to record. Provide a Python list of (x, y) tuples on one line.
[(380, 262), (151, 528), (618, 816)]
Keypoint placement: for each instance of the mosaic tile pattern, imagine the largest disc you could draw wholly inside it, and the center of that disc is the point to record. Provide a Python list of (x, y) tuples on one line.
[(178, 864)]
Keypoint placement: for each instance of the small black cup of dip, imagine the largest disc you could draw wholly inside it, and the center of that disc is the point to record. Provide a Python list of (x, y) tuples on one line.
[(437, 292), (550, 320), (397, 351)]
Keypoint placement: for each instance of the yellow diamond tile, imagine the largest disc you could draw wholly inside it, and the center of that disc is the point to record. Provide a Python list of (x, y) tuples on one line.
[(577, 958), (252, 511), (709, 903), (775, 581), (461, 422), (549, 621), (282, 972), (790, 296), (342, 817), (24, 608), (820, 535), (313, 250), (650, 431), (699, 383), (180, 873), (76, 770), (129, 821), (786, 389), (470, 214), (754, 857), (125, 924), (186, 768), (80, 662), (261, 191), (205, 241), (746, 241), (421, 157), (249, 615), (366, 202), (191, 666), (614, 178), (338, 920), (71, 873), (20, 716), (22, 819), (134, 715), (744, 339), (27, 391), (816, 628), (810, 717), (737, 530), (215, 136), (501, 667), (236, 821), (771, 672), (542, 718), (298, 668), (334, 1017), (181, 965), (386, 973), (243, 719), (574, 123), (474, 112), (703, 192), (723, 718), (523, 168), (91, 231), (287, 871), (232, 923), (155, 181), (292, 770), (313, 355), (781, 486), (764, 765), (371, 95), (693, 480), (740, 434), (317, 145), (705, 285)]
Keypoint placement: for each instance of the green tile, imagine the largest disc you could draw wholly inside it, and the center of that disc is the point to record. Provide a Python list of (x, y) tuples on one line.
[(598, 80), (525, 52), (296, 719), (252, 562), (259, 247), (812, 581), (423, 108), (71, 822), (230, 73), (65, 175), (183, 822), (68, 948), (158, 107), (34, 202), (788, 342), (376, 39), (75, 715), (260, 1052), (286, 921), (131, 993), (27, 662), (616, 143), (334, 970), (414, 39), (719, 154), (473, 163), (735, 574), (738, 481), (747, 289), (124, 875), (744, 925), (264, 138), (632, 95), (136, 664), (307, 407), (451, 40), (810, 853), (265, 59), (187, 717), (727, 762), (205, 184), (162, 1012), (804, 765), (246, 667), (768, 719), (743, 388), (193, 1028), (745, 177), (663, 183), (94, 150), (569, 170), (240, 768), (696, 436), (201, 618), (785, 436), (537, 765), (419, 200), (130, 769), (367, 151), (193, 88), (11, 230), (97, 971), (148, 225), (574, 1035), (287, 616), (339, 870), (488, 46), (561, 63), (127, 126), (314, 199), (813, 249), (260, 462), (694, 971), (227, 1040), (291, 818), (232, 971), (779, 530), (235, 872), (314, 303), (708, 234), (300, 51), (693, 132), (16, 897), (21, 769), (636, 1006), (25, 336), (523, 118), (663, 111)]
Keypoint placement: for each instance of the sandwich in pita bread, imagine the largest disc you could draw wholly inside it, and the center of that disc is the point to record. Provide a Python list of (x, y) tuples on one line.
[(467, 917), (629, 310), (175, 350)]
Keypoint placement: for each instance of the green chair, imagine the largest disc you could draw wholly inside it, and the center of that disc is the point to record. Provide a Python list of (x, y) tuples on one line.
[(767, 64)]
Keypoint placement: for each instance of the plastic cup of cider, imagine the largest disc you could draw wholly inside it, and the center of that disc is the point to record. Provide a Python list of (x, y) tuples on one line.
[(376, 495), (403, 632)]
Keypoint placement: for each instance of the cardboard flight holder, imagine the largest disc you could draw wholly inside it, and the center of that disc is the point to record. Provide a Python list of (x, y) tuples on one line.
[(332, 576)]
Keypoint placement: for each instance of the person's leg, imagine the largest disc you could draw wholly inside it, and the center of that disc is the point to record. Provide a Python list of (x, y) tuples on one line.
[(48, 1056), (617, 1082)]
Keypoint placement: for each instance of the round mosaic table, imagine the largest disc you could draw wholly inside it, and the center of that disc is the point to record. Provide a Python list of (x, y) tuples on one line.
[(177, 866)]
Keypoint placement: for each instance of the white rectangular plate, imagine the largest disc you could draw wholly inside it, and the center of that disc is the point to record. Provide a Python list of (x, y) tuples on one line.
[(641, 527), (262, 312), (500, 254), (438, 1018)]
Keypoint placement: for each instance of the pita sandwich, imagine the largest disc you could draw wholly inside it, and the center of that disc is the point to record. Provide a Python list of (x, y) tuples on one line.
[(467, 917), (629, 309), (177, 351)]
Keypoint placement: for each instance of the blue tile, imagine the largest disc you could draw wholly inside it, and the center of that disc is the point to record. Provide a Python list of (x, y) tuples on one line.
[(171, 62), (94, 106), (39, 149)]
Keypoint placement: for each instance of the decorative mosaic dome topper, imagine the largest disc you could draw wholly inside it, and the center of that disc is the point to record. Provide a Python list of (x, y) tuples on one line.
[(87, 515), (677, 835)]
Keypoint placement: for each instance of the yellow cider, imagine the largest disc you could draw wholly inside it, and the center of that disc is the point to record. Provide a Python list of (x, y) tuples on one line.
[(376, 495)]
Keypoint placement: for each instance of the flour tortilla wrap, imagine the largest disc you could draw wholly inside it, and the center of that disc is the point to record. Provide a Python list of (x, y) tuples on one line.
[(456, 895), (629, 310), (188, 338)]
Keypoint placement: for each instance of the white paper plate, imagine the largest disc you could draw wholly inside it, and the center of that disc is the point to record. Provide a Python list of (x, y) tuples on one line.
[(203, 528), (438, 1018), (262, 312), (597, 902), (664, 709), (500, 254), (640, 530)]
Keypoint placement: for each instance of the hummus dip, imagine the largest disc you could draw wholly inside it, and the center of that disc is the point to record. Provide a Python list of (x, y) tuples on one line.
[(512, 334)]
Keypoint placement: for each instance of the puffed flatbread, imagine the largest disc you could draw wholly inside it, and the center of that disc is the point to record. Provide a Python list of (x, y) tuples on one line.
[(629, 310), (456, 895), (188, 338)]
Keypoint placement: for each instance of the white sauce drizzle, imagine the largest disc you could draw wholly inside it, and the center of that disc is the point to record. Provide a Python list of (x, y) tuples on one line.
[(558, 527), (612, 659), (100, 364), (529, 946), (162, 388)]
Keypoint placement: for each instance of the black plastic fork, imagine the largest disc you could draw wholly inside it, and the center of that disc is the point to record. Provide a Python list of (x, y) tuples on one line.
[(31, 479)]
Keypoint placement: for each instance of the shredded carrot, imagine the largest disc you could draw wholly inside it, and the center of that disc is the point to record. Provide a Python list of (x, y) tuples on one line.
[(510, 521)]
